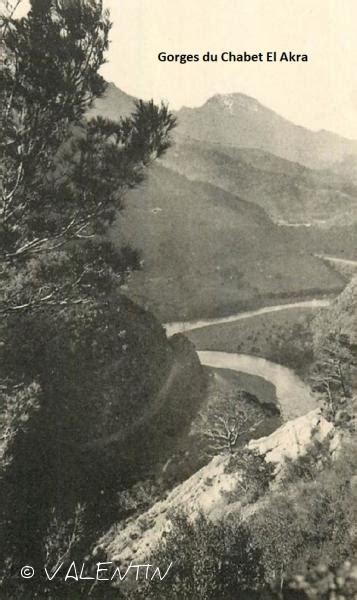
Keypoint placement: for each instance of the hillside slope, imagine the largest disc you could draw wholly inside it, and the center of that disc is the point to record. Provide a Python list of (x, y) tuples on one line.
[(241, 121), (208, 489), (225, 142), (134, 392), (207, 252), (289, 192), (113, 104), (340, 317), (203, 220)]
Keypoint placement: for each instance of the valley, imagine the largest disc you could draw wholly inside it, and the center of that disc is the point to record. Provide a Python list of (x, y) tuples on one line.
[(245, 239), (246, 229), (227, 222), (183, 229), (178, 337), (243, 235)]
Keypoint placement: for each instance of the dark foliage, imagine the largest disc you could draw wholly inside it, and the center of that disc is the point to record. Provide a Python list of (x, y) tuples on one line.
[(82, 369), (210, 561)]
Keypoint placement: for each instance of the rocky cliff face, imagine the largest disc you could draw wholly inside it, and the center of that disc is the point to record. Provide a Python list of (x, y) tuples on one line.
[(208, 489)]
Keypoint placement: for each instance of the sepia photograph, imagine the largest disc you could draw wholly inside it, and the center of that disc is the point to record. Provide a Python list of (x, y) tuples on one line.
[(178, 300)]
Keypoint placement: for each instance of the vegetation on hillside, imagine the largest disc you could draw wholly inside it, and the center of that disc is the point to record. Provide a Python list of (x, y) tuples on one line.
[(208, 281), (95, 401), (299, 526), (85, 373), (183, 234), (210, 561), (299, 532), (334, 369)]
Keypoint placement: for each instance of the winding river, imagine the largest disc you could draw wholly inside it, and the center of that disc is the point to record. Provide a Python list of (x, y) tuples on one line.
[(294, 396)]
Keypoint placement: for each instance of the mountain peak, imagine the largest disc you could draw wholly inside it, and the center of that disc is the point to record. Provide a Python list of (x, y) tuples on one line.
[(229, 102), (242, 121), (239, 120)]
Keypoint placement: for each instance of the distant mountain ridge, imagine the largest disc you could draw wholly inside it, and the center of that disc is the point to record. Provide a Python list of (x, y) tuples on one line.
[(237, 144), (209, 221), (243, 122), (288, 192)]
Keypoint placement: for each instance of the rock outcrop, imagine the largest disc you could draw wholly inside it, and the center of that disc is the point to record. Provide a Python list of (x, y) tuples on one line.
[(292, 440), (208, 489)]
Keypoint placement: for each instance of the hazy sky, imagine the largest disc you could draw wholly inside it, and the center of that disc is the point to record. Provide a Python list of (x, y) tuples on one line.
[(319, 94)]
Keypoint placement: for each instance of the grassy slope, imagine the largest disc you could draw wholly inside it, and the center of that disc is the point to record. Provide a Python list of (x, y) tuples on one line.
[(207, 252)]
